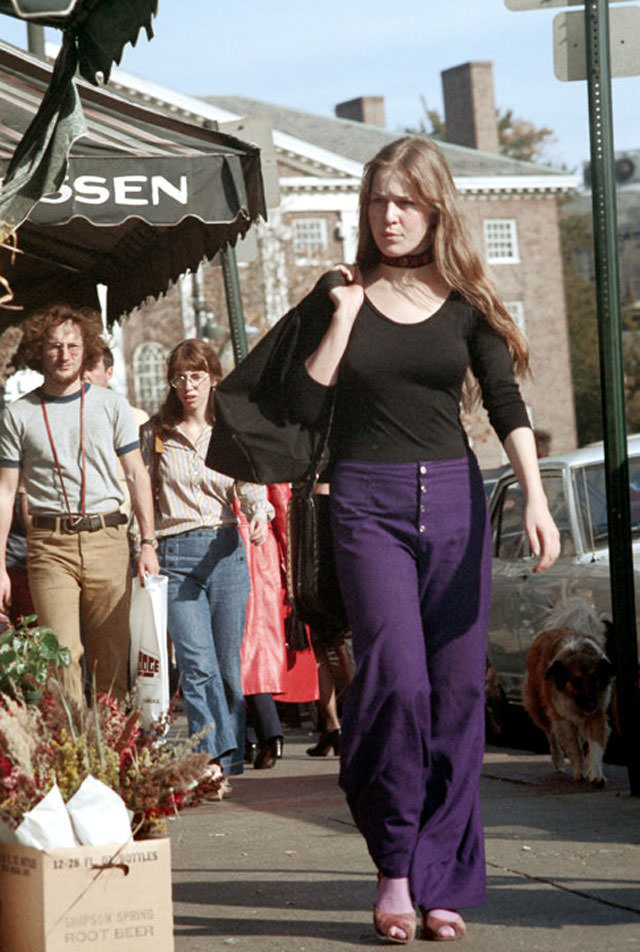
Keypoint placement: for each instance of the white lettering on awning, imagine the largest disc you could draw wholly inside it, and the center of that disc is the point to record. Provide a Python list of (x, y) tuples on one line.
[(122, 190), (57, 198), (124, 186), (91, 189), (178, 192)]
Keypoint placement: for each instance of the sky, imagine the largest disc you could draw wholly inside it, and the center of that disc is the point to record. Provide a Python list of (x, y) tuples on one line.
[(312, 54)]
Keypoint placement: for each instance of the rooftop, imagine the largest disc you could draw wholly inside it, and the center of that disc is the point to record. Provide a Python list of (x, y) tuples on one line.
[(359, 142)]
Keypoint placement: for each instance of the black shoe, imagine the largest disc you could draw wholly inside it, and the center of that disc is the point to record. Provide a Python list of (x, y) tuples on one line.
[(249, 751), (327, 741), (268, 752)]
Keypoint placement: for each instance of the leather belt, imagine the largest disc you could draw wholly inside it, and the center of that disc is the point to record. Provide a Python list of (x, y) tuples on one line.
[(92, 523)]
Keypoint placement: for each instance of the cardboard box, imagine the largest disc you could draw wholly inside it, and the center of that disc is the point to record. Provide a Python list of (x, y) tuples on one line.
[(101, 898)]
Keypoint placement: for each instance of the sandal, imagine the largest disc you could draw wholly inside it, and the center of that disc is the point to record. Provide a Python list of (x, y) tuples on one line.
[(435, 921), (386, 922)]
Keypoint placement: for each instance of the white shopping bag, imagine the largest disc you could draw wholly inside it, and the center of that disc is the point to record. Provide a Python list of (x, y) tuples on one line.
[(148, 658)]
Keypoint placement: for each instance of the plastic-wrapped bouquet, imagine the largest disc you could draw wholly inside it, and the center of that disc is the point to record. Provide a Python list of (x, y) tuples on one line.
[(56, 743)]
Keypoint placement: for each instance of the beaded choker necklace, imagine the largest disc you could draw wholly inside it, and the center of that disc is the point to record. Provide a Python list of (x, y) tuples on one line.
[(408, 261)]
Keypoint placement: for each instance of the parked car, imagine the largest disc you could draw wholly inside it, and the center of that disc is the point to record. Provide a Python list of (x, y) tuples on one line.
[(490, 478), (575, 487)]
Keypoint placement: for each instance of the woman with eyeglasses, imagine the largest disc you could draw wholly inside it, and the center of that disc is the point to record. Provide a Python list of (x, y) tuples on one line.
[(201, 553)]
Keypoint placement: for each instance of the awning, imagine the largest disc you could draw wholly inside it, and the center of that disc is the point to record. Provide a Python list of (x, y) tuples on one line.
[(147, 197), (101, 28)]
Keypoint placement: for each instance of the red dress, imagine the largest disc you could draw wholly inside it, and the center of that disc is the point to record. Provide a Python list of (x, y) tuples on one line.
[(268, 666)]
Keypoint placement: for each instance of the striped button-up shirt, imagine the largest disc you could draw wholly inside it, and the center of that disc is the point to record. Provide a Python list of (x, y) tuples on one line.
[(188, 494)]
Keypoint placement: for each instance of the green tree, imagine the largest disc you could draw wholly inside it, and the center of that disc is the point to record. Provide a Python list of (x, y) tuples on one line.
[(431, 124), (580, 297), (580, 300), (631, 357), (518, 138)]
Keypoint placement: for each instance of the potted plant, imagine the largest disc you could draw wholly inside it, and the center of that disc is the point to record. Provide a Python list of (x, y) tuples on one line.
[(28, 653)]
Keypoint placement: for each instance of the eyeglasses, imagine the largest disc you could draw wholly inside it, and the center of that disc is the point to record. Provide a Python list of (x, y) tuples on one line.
[(195, 379), (60, 348)]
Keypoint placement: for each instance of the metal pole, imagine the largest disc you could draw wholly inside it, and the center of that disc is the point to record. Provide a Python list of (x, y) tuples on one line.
[(35, 39), (234, 303), (197, 300), (612, 378)]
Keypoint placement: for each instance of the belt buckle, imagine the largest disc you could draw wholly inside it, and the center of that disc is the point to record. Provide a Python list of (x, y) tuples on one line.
[(72, 523)]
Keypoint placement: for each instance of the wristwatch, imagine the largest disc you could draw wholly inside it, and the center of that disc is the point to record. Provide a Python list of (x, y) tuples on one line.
[(152, 542)]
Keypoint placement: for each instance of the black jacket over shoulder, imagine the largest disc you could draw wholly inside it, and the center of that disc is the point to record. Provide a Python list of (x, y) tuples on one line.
[(255, 437)]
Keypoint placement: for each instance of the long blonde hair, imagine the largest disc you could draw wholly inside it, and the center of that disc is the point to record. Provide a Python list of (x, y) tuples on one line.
[(425, 168)]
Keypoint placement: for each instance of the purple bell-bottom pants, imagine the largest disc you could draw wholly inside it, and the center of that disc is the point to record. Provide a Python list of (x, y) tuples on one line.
[(413, 553)]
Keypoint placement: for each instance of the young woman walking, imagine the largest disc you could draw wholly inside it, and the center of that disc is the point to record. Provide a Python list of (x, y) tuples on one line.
[(410, 527)]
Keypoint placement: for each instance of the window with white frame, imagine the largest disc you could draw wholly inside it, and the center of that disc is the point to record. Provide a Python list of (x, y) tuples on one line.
[(309, 237), (501, 240), (149, 369), (516, 312)]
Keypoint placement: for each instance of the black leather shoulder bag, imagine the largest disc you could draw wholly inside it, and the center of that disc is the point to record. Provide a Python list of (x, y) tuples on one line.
[(312, 581)]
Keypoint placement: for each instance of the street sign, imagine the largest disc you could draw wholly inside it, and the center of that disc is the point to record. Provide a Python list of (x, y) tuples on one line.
[(518, 5), (32, 9), (569, 44)]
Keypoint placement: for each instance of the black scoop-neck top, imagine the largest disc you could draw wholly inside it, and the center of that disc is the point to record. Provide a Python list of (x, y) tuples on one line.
[(399, 386)]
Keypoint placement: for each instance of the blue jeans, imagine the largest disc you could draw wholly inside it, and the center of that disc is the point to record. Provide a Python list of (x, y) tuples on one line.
[(208, 591)]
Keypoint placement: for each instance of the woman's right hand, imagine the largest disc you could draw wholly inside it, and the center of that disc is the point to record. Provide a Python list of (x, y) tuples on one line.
[(322, 366), (348, 298), (258, 529)]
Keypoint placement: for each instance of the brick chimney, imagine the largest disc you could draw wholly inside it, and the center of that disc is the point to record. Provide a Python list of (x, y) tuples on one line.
[(369, 109), (469, 106)]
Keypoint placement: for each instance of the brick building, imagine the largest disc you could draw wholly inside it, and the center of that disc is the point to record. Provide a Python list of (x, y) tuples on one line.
[(510, 206)]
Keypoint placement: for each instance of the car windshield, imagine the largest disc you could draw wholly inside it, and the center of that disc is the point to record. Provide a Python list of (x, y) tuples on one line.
[(591, 498)]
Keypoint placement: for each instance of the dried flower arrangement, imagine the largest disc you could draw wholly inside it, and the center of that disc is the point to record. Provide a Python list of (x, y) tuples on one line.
[(55, 741)]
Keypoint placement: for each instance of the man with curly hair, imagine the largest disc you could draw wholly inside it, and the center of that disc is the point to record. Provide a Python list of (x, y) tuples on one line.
[(62, 439)]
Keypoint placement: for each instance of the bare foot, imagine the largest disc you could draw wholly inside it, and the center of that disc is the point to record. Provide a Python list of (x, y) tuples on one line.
[(393, 895), (442, 925), (394, 916)]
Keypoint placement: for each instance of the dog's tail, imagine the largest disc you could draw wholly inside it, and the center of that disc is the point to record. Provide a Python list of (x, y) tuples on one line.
[(577, 614)]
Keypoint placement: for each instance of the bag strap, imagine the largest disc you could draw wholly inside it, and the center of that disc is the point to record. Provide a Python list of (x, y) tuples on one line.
[(308, 484), (83, 465), (158, 447)]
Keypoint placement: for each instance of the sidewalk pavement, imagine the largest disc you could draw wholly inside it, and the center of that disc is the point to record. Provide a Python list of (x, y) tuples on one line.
[(280, 867)]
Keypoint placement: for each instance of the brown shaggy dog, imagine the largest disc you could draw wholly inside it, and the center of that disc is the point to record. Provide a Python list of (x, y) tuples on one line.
[(567, 689)]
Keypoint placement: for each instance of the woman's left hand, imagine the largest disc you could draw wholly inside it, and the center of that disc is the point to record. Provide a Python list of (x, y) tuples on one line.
[(258, 529), (543, 534)]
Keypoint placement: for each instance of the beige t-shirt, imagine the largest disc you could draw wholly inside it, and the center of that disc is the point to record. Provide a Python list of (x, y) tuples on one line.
[(109, 432), (140, 416)]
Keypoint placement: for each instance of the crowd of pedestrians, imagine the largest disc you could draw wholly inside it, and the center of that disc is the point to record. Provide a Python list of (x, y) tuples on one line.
[(89, 487)]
